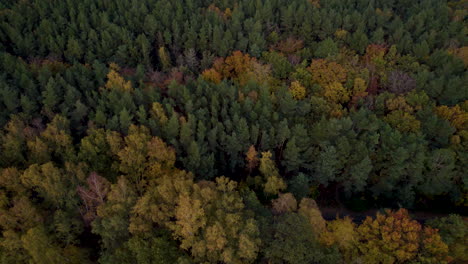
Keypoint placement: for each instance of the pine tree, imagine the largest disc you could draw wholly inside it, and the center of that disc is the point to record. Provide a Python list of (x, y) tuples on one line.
[(291, 156), (326, 48), (125, 120)]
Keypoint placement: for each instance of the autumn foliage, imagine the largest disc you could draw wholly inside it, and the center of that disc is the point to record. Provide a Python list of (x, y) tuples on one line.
[(394, 237), (117, 82), (240, 67), (93, 196), (457, 116), (233, 132)]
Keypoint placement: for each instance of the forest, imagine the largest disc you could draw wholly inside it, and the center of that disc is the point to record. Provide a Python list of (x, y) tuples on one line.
[(233, 131)]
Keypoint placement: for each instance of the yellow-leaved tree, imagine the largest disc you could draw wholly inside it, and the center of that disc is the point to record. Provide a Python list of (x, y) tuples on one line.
[(297, 90), (273, 181), (207, 218), (116, 82)]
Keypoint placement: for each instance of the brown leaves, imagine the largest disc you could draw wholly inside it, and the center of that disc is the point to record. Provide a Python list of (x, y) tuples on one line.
[(290, 45), (395, 237), (240, 67), (309, 209), (285, 203), (315, 3), (251, 157), (212, 75), (461, 53), (399, 82), (327, 72), (374, 52), (93, 196), (225, 15)]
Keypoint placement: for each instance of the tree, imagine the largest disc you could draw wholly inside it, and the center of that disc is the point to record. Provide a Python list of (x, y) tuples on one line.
[(13, 143), (98, 149), (74, 51), (251, 157), (326, 165), (315, 3), (403, 121), (51, 99), (295, 245), (421, 50), (240, 67), (394, 237), (154, 248), (280, 65), (113, 216), (193, 159), (117, 82), (212, 75), (144, 158), (43, 251), (10, 99), (289, 45), (440, 175), (125, 120), (55, 187), (298, 91), (274, 183), (284, 203), (309, 210), (326, 48), (164, 59), (299, 186), (454, 232), (331, 77), (358, 41), (342, 232), (327, 72), (157, 112), (55, 142), (172, 127), (292, 157), (400, 82), (93, 196), (457, 116), (335, 92), (211, 223), (16, 218)]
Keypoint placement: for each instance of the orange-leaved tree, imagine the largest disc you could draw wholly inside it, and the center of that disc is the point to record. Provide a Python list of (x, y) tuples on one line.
[(394, 237), (239, 67)]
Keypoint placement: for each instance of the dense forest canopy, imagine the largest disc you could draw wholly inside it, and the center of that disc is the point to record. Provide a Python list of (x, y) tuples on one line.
[(196, 131)]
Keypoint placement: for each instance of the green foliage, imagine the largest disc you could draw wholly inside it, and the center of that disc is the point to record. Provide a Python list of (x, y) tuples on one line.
[(117, 116), (296, 245), (454, 232), (326, 48)]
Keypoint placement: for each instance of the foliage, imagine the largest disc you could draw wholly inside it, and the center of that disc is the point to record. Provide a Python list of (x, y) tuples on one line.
[(394, 237), (118, 119), (453, 230)]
